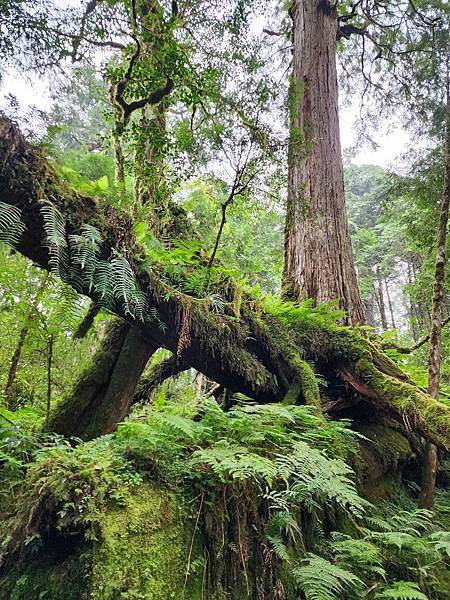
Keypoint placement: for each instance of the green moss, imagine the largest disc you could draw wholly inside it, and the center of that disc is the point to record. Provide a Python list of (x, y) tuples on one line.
[(143, 550), (304, 384), (380, 461), (420, 411)]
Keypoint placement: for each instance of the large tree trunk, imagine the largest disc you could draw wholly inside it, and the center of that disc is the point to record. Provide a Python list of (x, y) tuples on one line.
[(427, 491), (103, 394), (255, 353), (318, 253)]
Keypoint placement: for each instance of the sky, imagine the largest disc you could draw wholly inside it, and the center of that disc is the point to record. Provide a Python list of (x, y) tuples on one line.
[(392, 143)]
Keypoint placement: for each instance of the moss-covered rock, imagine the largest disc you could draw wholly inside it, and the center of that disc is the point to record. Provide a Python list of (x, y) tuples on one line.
[(381, 460), (144, 551), (147, 549)]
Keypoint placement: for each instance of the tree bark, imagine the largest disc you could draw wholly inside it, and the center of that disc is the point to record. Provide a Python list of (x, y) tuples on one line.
[(318, 260), (369, 310), (103, 394), (391, 310), (428, 486)]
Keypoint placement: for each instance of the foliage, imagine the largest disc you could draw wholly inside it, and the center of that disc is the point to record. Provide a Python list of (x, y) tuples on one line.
[(321, 580)]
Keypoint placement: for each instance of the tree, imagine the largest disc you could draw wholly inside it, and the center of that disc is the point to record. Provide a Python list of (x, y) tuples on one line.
[(427, 491), (318, 252), (387, 43)]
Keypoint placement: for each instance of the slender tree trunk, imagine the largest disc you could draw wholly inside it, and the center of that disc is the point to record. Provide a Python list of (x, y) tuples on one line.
[(412, 307), (369, 310), (381, 303), (14, 365), (103, 394), (318, 253), (427, 491), (49, 376), (391, 311)]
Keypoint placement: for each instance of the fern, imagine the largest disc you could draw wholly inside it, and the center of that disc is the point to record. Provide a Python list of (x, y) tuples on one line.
[(441, 541), (102, 282), (282, 526), (359, 554), (320, 579), (11, 225), (84, 250), (319, 480), (71, 307), (230, 461), (402, 590), (125, 288), (55, 231)]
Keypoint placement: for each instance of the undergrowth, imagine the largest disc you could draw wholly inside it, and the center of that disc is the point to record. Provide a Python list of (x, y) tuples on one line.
[(290, 458)]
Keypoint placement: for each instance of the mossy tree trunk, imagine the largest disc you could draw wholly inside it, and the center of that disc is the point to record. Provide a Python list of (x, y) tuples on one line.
[(318, 253), (103, 394)]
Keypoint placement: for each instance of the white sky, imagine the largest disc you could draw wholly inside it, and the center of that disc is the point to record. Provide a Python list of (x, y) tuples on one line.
[(35, 92)]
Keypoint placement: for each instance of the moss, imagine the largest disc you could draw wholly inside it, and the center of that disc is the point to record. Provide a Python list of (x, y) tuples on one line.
[(420, 411), (381, 460), (304, 384), (309, 385), (143, 550)]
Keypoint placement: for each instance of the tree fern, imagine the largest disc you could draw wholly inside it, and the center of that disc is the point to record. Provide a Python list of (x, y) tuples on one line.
[(402, 590), (319, 579), (11, 225)]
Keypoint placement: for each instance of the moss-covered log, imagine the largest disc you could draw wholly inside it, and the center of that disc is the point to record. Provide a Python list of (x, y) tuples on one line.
[(251, 353)]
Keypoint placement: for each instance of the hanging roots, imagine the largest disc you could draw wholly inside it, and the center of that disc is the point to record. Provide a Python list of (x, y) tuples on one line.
[(184, 340)]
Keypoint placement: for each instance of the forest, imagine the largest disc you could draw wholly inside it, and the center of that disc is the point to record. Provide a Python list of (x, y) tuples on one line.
[(224, 340)]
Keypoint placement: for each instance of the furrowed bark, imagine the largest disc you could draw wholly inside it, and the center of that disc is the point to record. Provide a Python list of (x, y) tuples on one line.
[(318, 252), (251, 354)]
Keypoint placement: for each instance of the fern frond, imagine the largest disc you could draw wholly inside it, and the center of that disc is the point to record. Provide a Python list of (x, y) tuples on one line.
[(402, 590), (11, 225), (279, 547), (441, 541), (319, 579), (125, 288), (84, 251), (56, 242)]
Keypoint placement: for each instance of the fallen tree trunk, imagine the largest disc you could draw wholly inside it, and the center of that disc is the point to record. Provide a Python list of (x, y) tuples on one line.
[(253, 353)]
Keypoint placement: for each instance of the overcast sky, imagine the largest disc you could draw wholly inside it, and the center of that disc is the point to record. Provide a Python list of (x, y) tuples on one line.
[(391, 144)]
